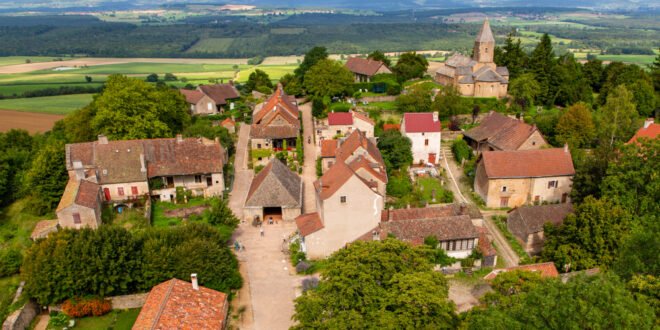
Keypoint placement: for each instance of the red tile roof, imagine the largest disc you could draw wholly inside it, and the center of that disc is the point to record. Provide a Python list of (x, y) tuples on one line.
[(174, 304), (228, 121), (192, 96), (502, 132), (80, 192), (273, 131), (220, 93), (308, 223), (43, 228), (340, 118), (391, 126), (367, 67), (353, 142), (328, 148), (547, 269), (528, 163), (333, 179), (651, 132), (418, 213), (361, 162), (485, 247), (420, 122), (279, 102), (363, 117)]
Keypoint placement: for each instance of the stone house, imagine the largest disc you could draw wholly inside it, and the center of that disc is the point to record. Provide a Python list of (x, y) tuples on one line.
[(424, 131), (650, 130), (486, 248), (526, 223), (275, 121), (274, 192), (131, 170), (363, 69), (500, 132), (515, 178), (177, 304), (80, 205), (478, 76), (229, 124), (200, 103), (221, 94), (346, 207), (43, 228), (343, 123)]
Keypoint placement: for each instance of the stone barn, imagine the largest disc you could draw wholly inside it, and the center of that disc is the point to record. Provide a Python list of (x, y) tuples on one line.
[(275, 192)]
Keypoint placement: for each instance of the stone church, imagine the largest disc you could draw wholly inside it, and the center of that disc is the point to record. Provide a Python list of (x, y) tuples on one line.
[(478, 76)]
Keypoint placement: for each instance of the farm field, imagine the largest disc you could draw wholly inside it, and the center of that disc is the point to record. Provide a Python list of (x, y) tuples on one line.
[(10, 90), (144, 67), (275, 72), (12, 60), (59, 105)]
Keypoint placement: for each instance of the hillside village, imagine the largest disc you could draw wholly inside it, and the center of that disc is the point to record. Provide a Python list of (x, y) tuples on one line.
[(263, 208)]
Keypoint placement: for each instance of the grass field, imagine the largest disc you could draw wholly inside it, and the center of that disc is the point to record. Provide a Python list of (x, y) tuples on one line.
[(637, 59), (60, 105), (117, 319), (275, 72), (138, 67), (10, 90), (211, 45), (11, 60)]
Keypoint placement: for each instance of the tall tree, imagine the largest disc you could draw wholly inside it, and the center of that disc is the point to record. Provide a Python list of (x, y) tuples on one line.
[(542, 63), (618, 117), (396, 149), (311, 58), (410, 65), (513, 57), (593, 73), (590, 173), (449, 102), (575, 127), (655, 72), (260, 81), (567, 86), (377, 55), (47, 177), (418, 99), (525, 90), (327, 78)]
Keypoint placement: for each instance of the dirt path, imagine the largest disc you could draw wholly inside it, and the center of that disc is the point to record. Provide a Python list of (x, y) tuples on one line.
[(455, 174), (42, 322), (507, 254), (242, 175), (466, 295), (309, 170), (30, 121)]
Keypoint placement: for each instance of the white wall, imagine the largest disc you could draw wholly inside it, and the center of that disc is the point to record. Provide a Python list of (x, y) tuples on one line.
[(420, 150)]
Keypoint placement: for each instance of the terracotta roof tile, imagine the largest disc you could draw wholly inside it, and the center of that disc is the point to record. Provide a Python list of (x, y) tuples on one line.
[(228, 121), (333, 179), (526, 220), (485, 247), (363, 117), (353, 142), (361, 162), (547, 269), (340, 118), (420, 122), (192, 96), (273, 131), (528, 163), (174, 304), (80, 192), (308, 223), (328, 148), (651, 132), (367, 67), (275, 186), (444, 228), (43, 228), (418, 213), (501, 131), (220, 93), (278, 102)]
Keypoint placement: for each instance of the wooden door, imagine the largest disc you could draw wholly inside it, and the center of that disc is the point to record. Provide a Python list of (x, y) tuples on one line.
[(106, 192), (564, 196), (432, 158), (504, 201)]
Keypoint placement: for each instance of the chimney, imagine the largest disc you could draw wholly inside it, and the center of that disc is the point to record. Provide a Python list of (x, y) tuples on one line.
[(435, 116), (566, 147), (193, 279), (103, 139), (179, 138), (143, 165), (78, 169), (648, 122)]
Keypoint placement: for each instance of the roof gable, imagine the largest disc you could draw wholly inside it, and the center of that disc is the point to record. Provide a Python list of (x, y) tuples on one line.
[(367, 67), (375, 173), (650, 132), (485, 33), (308, 223), (79, 192), (356, 140), (420, 122), (219, 93), (530, 219), (275, 186), (528, 163), (192, 96), (501, 132), (334, 179)]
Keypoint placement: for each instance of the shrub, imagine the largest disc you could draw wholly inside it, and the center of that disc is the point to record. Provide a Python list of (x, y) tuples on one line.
[(319, 167), (310, 283), (58, 319), (221, 214), (258, 169), (399, 185), (461, 150), (10, 261), (317, 107), (180, 196), (302, 267), (77, 307)]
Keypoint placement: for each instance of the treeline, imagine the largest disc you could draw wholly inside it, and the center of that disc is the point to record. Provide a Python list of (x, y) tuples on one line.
[(603, 38), (53, 91)]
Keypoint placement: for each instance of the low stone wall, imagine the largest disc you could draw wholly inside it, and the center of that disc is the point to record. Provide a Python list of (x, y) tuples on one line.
[(379, 98), (21, 318), (129, 301)]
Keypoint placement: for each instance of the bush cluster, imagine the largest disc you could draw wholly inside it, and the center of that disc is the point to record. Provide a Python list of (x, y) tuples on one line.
[(79, 307), (461, 150)]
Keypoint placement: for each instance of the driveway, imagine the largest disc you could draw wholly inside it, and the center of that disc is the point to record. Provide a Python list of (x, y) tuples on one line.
[(242, 175), (309, 168)]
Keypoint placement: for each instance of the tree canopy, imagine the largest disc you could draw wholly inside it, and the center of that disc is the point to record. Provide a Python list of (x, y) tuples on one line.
[(410, 65), (259, 81), (396, 149), (312, 57), (327, 78), (576, 127), (377, 55)]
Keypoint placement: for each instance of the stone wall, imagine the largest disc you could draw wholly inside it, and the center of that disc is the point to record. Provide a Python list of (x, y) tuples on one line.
[(380, 98), (129, 301), (21, 318)]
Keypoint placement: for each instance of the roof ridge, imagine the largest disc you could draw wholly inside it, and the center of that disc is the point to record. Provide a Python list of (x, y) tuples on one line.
[(162, 306)]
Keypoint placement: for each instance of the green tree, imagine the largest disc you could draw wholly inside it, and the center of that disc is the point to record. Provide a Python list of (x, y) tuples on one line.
[(221, 214), (513, 57), (418, 99), (593, 73), (655, 73), (152, 78), (169, 77), (377, 55), (647, 288), (377, 284), (129, 108), (311, 58), (566, 84), (205, 128), (507, 285), (588, 238), (639, 254), (318, 107), (47, 177), (590, 173), (541, 63), (410, 65), (327, 78), (643, 97), (292, 86), (449, 103), (258, 78), (575, 127), (525, 89), (396, 149), (618, 117)]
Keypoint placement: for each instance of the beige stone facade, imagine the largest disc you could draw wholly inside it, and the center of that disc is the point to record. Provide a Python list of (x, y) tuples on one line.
[(205, 106)]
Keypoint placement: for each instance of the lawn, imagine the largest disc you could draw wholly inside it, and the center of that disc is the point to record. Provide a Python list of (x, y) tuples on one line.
[(386, 105), (117, 319), (275, 72), (427, 185), (61, 105), (158, 219), (16, 225), (144, 67), (32, 78), (9, 90), (8, 286), (636, 59)]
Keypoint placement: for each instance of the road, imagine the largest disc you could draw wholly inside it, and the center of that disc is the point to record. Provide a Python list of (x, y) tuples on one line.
[(309, 168)]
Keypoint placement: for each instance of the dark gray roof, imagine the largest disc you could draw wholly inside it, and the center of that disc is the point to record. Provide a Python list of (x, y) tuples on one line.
[(485, 34), (527, 220), (489, 76), (464, 70), (466, 80), (502, 71), (457, 60), (275, 186)]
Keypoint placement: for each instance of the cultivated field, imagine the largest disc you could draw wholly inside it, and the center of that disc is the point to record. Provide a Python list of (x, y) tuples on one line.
[(59, 105), (30, 121)]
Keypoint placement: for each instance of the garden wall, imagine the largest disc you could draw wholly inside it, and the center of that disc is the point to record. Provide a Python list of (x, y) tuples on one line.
[(129, 301), (380, 98), (21, 318)]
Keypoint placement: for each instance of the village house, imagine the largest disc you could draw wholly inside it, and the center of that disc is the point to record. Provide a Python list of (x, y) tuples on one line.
[(486, 248), (200, 103), (275, 193), (131, 170), (275, 122), (346, 207), (514, 178), (424, 130), (221, 94), (177, 304), (229, 124), (478, 76), (500, 132), (650, 130), (343, 123), (80, 205), (546, 269), (526, 223), (363, 69)]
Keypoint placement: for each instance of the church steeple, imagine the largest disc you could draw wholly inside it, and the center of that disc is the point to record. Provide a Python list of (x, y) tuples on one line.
[(484, 44)]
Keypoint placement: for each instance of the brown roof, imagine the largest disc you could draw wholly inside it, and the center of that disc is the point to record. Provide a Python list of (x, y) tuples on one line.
[(526, 220), (273, 131), (363, 117), (652, 131), (485, 247), (333, 179), (308, 223), (528, 163), (374, 169), (501, 132), (367, 67), (353, 142), (444, 228), (547, 269), (80, 192), (192, 96), (174, 304), (43, 228), (328, 148), (278, 103), (220, 93), (227, 121), (275, 186), (119, 161), (418, 213)]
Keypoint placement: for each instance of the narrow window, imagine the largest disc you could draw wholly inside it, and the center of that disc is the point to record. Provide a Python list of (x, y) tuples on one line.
[(503, 188), (198, 179), (76, 218), (134, 190), (338, 131), (426, 142), (258, 145), (342, 199), (552, 184), (120, 191)]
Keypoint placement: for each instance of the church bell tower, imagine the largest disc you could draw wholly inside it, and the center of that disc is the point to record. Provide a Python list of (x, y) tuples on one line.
[(484, 45)]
